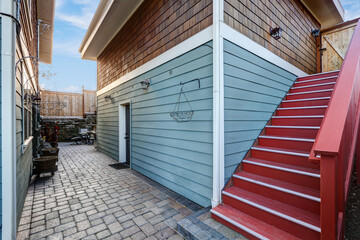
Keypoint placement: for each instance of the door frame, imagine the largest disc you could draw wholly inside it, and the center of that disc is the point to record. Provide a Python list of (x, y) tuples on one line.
[(122, 131)]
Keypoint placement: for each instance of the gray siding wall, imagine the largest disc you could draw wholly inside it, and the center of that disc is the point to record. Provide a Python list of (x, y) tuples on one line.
[(23, 160), (0, 137), (177, 155), (254, 88)]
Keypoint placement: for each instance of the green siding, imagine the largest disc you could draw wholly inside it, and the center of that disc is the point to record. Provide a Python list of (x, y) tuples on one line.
[(177, 155), (23, 160), (254, 88)]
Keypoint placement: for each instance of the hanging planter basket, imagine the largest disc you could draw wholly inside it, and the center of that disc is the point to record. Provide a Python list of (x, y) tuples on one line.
[(183, 115)]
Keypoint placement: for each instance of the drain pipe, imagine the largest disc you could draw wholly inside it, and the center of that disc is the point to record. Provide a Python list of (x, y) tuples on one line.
[(38, 37), (8, 129), (218, 105)]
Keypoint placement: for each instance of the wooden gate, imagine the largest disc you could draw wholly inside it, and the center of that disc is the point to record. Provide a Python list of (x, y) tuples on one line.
[(334, 43)]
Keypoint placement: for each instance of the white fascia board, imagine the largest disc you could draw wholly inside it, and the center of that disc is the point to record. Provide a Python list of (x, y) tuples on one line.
[(191, 43), (241, 40), (8, 132), (108, 20), (103, 9)]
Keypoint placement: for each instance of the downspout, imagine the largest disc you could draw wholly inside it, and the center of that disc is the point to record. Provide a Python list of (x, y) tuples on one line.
[(218, 104), (38, 37), (8, 130)]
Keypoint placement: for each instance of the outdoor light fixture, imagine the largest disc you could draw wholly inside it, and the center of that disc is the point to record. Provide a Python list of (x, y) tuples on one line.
[(145, 84), (36, 98), (107, 98), (315, 32), (276, 32)]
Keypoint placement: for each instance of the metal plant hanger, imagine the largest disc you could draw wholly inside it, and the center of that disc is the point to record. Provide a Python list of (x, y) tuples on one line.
[(183, 115)]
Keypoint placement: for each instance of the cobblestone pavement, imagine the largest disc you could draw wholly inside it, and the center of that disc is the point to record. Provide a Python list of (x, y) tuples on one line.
[(88, 199)]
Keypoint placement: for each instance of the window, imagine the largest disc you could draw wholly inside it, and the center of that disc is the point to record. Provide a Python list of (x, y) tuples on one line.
[(27, 114)]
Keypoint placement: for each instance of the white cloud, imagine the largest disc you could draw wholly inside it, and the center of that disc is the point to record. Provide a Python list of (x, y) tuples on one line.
[(352, 9), (81, 21), (83, 16), (59, 3), (68, 48), (43, 86)]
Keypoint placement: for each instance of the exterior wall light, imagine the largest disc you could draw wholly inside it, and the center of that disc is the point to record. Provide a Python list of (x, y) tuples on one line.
[(276, 32), (107, 98), (145, 84), (35, 98), (315, 32)]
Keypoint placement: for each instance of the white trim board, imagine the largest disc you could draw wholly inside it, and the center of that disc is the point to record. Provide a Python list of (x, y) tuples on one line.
[(8, 128), (218, 105), (122, 130), (189, 44), (241, 40)]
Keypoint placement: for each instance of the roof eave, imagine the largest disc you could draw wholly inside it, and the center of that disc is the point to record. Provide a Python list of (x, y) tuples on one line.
[(46, 13), (327, 12), (109, 18)]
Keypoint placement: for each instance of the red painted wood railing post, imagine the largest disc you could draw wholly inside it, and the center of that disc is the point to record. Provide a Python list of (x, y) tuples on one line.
[(328, 208), (357, 155)]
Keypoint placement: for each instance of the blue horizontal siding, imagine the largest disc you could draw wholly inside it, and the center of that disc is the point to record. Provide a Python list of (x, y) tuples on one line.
[(177, 155), (253, 89)]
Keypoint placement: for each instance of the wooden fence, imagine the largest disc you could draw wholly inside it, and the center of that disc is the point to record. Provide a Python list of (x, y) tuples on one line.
[(63, 104), (334, 44)]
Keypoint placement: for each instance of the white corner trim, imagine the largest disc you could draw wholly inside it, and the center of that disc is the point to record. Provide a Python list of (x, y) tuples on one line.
[(218, 105), (26, 144), (183, 47), (241, 40), (8, 127)]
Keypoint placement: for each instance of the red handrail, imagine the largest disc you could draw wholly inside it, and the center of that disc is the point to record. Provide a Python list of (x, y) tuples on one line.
[(336, 142)]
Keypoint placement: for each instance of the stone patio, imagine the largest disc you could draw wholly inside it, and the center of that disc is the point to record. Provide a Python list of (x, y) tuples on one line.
[(88, 199)]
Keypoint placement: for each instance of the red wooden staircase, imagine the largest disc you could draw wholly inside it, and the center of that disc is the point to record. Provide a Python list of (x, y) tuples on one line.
[(276, 192)]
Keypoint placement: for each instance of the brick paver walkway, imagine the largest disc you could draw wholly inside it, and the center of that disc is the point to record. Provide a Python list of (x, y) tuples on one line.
[(87, 199)]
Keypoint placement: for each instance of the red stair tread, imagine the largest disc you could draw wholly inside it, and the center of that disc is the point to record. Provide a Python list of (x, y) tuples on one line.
[(277, 206), (281, 149), (319, 75), (278, 183), (284, 165), (321, 79), (258, 226), (312, 85)]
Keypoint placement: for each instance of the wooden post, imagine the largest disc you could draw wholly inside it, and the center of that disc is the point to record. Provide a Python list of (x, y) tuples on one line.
[(83, 101), (318, 54), (357, 156), (328, 207)]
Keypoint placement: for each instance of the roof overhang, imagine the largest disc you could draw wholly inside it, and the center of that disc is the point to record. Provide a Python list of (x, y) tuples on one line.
[(109, 18), (327, 12), (46, 13)]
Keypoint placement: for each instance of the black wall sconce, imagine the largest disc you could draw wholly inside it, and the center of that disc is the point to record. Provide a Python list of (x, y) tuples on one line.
[(276, 32), (107, 98), (145, 84), (35, 98), (315, 32)]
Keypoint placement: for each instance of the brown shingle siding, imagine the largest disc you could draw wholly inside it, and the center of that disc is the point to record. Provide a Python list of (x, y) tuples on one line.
[(253, 18), (155, 27)]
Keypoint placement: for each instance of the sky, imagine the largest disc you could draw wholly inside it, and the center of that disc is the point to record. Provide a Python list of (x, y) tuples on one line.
[(68, 72)]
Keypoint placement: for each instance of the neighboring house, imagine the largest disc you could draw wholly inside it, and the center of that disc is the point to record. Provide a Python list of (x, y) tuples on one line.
[(146, 49), (25, 36)]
